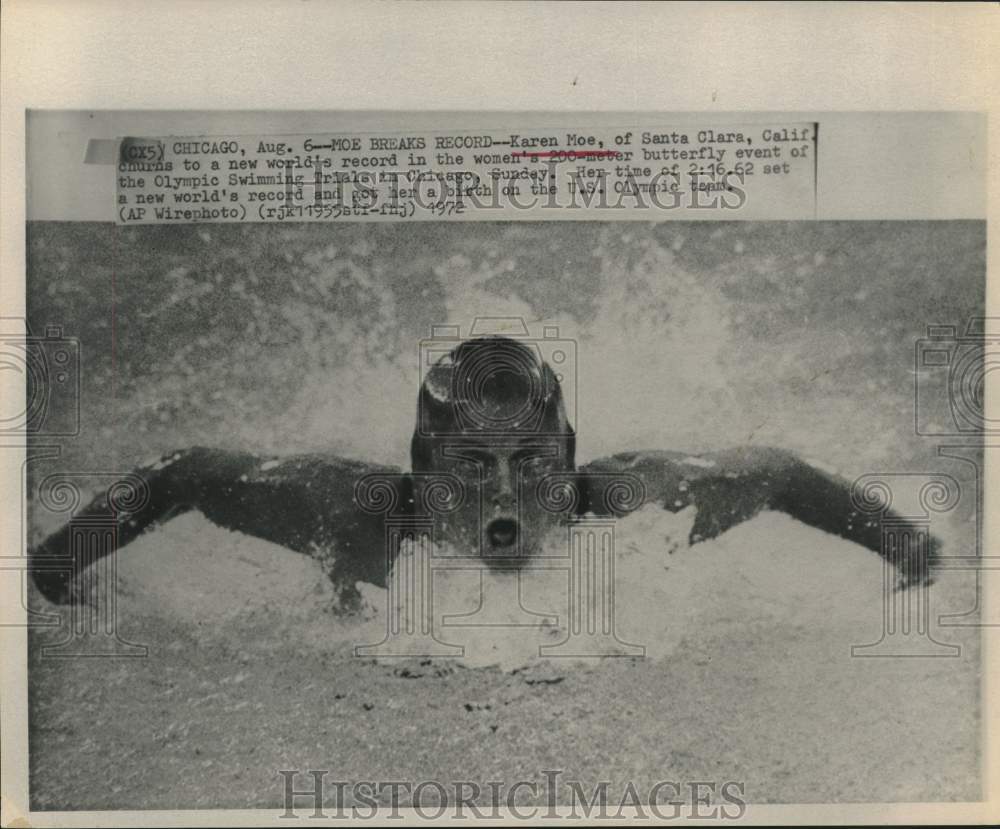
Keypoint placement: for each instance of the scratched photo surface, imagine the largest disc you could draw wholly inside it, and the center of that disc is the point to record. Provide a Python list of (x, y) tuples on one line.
[(263, 342)]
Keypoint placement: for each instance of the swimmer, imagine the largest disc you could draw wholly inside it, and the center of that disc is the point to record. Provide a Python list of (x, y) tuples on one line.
[(494, 456)]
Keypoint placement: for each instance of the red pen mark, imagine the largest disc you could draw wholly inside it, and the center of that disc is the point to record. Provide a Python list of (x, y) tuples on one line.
[(566, 155)]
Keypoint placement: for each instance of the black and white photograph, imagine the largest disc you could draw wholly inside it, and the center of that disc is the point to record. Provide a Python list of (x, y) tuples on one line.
[(591, 464), (282, 408)]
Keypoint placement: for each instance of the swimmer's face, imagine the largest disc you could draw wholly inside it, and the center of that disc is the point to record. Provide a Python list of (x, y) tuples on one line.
[(501, 517)]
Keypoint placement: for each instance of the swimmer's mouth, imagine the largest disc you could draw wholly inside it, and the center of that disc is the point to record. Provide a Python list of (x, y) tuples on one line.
[(502, 533)]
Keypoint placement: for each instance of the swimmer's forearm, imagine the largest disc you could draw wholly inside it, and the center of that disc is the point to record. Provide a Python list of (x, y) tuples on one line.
[(304, 503)]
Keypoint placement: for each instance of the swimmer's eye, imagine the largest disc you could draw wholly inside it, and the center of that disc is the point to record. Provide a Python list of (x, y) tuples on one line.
[(531, 461), (532, 458), (478, 456), (483, 456)]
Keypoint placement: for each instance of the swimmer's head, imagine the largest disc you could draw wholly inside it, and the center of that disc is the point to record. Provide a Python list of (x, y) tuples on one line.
[(491, 413)]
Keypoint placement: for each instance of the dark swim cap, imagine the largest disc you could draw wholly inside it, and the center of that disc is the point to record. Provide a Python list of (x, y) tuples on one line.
[(491, 388)]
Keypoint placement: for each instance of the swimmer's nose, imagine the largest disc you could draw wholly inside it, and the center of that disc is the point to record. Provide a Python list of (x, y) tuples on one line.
[(504, 483), (503, 503), (502, 532)]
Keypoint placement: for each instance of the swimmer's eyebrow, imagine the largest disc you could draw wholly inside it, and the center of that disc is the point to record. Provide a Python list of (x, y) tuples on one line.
[(538, 449), (539, 440), (526, 442), (522, 444)]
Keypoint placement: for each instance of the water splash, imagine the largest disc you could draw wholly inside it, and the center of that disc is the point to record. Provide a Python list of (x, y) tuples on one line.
[(772, 571)]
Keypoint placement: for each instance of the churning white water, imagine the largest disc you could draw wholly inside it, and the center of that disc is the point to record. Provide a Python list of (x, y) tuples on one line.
[(643, 363), (771, 570)]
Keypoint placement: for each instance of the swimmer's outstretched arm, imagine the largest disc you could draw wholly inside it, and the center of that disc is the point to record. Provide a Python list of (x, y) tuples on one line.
[(305, 503), (732, 486)]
